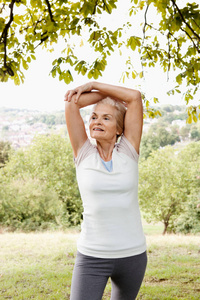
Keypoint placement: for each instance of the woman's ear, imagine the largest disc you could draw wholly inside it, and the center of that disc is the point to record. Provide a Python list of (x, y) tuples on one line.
[(119, 131)]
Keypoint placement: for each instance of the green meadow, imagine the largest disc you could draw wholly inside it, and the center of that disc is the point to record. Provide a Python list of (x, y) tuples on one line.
[(39, 266)]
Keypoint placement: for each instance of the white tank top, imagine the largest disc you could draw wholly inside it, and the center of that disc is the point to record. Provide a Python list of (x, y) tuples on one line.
[(111, 226)]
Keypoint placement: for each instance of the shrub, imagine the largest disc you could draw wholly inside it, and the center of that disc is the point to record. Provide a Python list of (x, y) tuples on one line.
[(28, 204)]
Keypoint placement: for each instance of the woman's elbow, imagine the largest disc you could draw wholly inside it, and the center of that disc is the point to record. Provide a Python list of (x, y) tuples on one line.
[(136, 96)]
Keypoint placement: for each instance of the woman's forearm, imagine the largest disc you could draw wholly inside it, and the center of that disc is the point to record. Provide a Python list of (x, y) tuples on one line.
[(117, 92), (89, 98), (92, 92)]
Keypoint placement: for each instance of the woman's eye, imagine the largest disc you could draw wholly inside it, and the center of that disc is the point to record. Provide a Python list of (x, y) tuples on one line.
[(106, 118)]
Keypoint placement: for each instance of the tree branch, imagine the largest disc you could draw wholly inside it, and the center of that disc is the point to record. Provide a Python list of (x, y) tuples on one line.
[(43, 38), (105, 4), (195, 46), (95, 6), (5, 35), (145, 22), (49, 10), (184, 21), (3, 6)]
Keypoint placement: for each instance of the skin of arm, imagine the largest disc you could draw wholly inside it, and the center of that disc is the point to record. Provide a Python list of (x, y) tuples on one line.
[(74, 121), (84, 95)]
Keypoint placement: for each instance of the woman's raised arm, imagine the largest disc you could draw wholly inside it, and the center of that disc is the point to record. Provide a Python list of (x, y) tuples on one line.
[(74, 121)]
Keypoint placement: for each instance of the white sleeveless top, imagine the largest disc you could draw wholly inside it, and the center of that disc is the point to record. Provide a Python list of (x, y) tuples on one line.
[(111, 226)]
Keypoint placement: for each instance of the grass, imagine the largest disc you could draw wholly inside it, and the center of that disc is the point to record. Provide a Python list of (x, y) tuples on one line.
[(39, 266)]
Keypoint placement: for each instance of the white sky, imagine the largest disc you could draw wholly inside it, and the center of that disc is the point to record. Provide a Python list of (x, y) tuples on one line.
[(42, 92)]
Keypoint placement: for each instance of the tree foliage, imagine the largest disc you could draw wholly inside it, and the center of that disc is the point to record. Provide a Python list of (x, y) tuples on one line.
[(40, 184), (189, 220), (171, 40), (169, 186), (5, 149), (29, 204), (158, 137), (39, 188)]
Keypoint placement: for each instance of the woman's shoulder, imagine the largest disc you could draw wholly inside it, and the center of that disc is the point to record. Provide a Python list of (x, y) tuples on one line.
[(86, 150), (124, 146)]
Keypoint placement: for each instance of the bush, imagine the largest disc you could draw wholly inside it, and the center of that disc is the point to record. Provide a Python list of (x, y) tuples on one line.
[(29, 204), (189, 221), (47, 169)]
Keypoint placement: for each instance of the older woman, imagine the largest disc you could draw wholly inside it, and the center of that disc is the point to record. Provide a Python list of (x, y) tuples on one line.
[(112, 243)]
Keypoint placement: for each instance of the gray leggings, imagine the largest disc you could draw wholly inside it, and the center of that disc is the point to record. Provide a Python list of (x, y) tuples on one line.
[(91, 274)]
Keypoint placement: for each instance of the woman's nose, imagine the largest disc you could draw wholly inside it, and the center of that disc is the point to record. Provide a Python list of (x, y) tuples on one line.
[(97, 121)]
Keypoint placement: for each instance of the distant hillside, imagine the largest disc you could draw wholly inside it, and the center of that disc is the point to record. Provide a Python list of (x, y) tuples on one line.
[(19, 126)]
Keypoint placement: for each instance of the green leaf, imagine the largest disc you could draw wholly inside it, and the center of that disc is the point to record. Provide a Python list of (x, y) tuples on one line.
[(61, 76), (16, 80), (24, 64), (189, 119), (195, 118), (134, 74), (18, 19), (179, 79), (53, 72), (155, 100), (33, 57)]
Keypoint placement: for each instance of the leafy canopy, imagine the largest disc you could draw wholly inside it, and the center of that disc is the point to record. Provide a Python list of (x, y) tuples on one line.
[(170, 40)]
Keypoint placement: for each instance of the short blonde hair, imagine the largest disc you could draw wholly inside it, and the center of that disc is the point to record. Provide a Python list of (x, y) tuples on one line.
[(120, 112)]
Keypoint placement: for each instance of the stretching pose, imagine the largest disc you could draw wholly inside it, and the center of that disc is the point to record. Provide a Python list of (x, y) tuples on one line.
[(111, 243)]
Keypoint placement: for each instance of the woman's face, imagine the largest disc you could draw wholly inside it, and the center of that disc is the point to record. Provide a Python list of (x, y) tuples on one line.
[(103, 123)]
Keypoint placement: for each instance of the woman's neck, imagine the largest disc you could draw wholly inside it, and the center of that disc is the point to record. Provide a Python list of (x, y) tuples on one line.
[(105, 150)]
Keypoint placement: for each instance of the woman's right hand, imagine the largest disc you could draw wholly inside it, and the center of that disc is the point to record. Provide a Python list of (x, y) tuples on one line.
[(87, 87)]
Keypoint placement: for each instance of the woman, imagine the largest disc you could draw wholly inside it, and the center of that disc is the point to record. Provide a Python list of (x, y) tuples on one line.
[(112, 243)]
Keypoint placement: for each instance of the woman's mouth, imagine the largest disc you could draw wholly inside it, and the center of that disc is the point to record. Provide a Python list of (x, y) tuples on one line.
[(98, 129)]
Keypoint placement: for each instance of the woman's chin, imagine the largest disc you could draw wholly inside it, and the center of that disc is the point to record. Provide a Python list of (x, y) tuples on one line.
[(97, 135)]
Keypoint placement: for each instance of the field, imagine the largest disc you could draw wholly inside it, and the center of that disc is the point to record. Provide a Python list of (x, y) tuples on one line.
[(39, 266)]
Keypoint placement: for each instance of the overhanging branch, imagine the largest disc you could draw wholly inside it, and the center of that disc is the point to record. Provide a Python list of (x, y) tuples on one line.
[(184, 21), (3, 6), (195, 46), (49, 10), (145, 22), (95, 6), (4, 36)]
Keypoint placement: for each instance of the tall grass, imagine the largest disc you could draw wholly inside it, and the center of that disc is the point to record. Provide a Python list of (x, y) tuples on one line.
[(39, 266)]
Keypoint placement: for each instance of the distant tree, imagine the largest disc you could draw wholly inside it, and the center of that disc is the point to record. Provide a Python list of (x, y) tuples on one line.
[(189, 220), (28, 204), (167, 108), (166, 138), (184, 132), (60, 118), (49, 160), (49, 119), (149, 143), (156, 137), (170, 40), (5, 148), (167, 179), (195, 133)]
